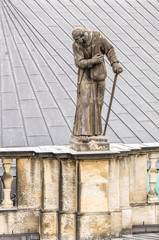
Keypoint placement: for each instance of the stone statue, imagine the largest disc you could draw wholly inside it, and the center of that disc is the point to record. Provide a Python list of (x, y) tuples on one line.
[(89, 48)]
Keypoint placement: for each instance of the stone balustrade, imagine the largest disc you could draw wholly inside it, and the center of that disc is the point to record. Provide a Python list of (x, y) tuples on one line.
[(64, 194)]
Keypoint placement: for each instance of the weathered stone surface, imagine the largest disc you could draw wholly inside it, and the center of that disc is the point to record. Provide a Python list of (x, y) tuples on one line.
[(49, 226), (29, 183), (19, 221), (3, 222), (114, 200), (138, 179), (124, 166), (127, 218), (96, 227), (86, 143), (116, 223), (51, 184), (68, 227), (68, 186), (90, 191), (157, 214), (144, 214), (94, 186)]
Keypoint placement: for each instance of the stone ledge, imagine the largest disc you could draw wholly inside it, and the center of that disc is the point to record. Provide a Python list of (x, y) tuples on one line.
[(8, 209), (63, 152)]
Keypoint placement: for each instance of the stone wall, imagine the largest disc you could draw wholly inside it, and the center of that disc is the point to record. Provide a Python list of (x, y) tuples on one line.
[(75, 196)]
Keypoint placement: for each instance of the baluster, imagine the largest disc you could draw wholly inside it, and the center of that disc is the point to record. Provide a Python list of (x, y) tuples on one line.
[(152, 196), (7, 181), (157, 179), (148, 168)]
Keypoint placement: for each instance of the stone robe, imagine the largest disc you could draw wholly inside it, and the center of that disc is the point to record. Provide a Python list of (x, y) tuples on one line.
[(91, 85)]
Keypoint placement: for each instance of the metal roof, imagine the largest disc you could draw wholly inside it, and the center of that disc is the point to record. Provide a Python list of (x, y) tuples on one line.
[(38, 75)]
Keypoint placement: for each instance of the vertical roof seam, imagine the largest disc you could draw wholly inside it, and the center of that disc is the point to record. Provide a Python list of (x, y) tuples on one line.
[(14, 76), (29, 81)]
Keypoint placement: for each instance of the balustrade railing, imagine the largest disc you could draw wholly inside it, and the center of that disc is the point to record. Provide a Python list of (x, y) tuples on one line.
[(8, 180), (67, 194)]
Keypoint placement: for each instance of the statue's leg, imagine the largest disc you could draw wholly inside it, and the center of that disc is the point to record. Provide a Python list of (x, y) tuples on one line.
[(100, 98), (83, 116)]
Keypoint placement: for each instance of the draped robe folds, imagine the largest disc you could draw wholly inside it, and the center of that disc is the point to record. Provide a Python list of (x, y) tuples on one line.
[(91, 85)]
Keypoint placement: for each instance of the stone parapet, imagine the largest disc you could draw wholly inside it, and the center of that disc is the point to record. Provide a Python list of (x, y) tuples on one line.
[(65, 194)]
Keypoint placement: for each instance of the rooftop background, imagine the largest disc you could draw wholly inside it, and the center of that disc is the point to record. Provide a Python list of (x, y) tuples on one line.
[(38, 75)]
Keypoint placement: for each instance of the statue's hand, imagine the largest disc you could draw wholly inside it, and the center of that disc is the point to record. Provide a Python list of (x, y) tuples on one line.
[(98, 58), (117, 68)]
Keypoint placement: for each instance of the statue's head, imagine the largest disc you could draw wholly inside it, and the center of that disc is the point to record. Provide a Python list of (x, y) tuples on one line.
[(81, 35)]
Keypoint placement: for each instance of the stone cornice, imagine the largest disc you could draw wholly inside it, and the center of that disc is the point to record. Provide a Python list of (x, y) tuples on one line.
[(63, 152)]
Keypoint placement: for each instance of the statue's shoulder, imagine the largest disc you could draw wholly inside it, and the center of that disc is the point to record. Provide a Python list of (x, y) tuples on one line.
[(96, 33), (95, 37), (76, 48), (75, 45)]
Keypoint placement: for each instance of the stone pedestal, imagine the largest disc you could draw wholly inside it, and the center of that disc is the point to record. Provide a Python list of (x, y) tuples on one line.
[(86, 143), (7, 203)]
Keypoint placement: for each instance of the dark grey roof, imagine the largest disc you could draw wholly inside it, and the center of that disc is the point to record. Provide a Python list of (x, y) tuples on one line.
[(38, 75)]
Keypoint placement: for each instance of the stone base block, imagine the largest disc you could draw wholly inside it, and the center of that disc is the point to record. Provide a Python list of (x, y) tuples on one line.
[(94, 227), (49, 225), (144, 215), (116, 223), (86, 143), (68, 227), (19, 221), (7, 203), (153, 198), (127, 218)]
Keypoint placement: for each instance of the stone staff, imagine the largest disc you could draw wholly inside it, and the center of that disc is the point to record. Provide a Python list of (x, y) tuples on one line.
[(110, 103)]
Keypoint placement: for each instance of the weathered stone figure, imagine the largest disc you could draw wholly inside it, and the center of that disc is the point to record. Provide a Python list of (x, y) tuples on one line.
[(89, 48)]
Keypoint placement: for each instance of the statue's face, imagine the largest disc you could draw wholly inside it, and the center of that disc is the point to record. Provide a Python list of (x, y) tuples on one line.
[(79, 38), (82, 37)]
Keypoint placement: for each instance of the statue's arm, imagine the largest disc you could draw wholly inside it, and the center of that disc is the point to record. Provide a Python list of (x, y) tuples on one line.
[(80, 61), (108, 50)]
